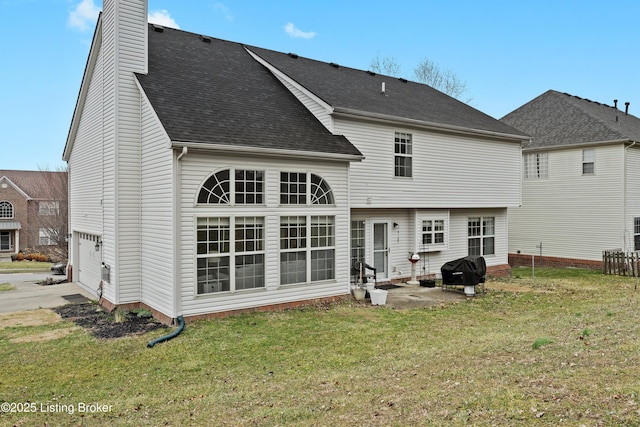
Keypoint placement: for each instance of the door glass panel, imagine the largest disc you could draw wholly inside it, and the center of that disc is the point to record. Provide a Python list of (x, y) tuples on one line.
[(380, 249)]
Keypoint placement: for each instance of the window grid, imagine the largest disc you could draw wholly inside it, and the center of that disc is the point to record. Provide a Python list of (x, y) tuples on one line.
[(433, 232), (293, 188), (403, 149), (536, 165), (322, 231), (249, 186), (481, 236), (228, 261), (6, 209), (216, 189), (357, 243), (321, 193), (293, 232)]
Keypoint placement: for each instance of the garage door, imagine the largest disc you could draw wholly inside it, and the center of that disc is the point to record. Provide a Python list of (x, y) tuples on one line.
[(89, 261)]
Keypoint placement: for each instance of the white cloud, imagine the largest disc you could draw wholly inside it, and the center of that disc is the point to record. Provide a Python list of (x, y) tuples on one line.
[(84, 14), (162, 17), (298, 33), (222, 9)]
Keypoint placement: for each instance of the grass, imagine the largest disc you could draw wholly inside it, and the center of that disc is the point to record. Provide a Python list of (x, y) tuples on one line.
[(6, 287), (25, 265), (470, 363)]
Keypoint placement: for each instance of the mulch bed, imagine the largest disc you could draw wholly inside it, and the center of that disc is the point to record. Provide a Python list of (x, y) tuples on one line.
[(101, 324)]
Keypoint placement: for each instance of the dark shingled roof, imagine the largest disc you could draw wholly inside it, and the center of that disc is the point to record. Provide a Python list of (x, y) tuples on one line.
[(559, 119), (206, 90), (349, 88)]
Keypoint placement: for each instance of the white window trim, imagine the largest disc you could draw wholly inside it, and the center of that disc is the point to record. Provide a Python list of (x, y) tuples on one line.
[(431, 216), (405, 155), (482, 236), (536, 165), (592, 161), (231, 254)]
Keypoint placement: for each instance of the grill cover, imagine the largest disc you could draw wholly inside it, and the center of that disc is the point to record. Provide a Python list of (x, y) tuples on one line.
[(470, 270)]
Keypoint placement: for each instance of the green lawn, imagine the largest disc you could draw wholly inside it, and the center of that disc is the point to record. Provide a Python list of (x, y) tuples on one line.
[(560, 349), (25, 265)]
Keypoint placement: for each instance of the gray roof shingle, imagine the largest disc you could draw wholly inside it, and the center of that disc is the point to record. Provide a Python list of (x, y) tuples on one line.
[(560, 119), (206, 90), (349, 88)]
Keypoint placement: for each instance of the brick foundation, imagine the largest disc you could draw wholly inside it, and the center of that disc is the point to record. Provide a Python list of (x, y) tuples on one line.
[(522, 260), (164, 319)]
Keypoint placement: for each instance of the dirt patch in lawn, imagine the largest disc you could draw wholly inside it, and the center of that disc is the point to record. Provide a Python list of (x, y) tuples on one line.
[(39, 317), (510, 287), (102, 324), (45, 336)]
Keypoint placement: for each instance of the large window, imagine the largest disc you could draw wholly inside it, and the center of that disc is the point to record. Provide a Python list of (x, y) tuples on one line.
[(307, 248), (636, 234), (45, 238), (6, 240), (226, 260), (6, 209), (403, 150), (482, 236), (536, 165), (247, 185), (300, 188), (588, 162)]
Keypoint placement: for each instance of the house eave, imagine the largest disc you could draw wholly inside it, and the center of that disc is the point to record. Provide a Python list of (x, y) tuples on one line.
[(267, 152), (388, 119), (577, 145), (15, 187)]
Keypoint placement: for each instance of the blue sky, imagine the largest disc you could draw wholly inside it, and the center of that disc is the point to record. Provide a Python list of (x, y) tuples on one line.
[(508, 52)]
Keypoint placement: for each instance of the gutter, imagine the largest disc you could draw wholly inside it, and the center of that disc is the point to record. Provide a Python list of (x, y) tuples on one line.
[(364, 115), (270, 152)]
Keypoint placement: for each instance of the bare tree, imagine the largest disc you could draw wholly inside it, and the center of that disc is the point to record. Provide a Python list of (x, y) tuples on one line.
[(387, 65), (428, 72), (53, 208)]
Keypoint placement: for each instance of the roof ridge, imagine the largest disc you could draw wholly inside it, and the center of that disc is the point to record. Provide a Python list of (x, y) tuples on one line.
[(579, 104)]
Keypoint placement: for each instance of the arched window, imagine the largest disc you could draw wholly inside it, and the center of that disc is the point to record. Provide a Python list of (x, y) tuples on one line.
[(321, 193), (299, 188), (216, 189), (6, 209)]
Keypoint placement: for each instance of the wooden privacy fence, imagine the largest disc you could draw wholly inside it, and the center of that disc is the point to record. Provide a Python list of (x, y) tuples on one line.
[(616, 261)]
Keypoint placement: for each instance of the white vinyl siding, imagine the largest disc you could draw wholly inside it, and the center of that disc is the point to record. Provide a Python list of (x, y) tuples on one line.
[(404, 238), (573, 215), (157, 216), (195, 168), (449, 171)]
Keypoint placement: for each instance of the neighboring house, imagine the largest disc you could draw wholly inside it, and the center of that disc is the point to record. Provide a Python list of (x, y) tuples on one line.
[(207, 176), (32, 211), (581, 181)]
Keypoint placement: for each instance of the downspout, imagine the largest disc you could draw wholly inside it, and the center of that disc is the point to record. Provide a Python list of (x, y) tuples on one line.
[(169, 336)]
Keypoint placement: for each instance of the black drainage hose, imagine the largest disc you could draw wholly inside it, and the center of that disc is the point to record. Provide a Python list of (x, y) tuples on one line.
[(169, 336)]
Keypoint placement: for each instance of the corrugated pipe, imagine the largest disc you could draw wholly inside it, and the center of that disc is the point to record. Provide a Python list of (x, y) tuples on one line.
[(169, 336)]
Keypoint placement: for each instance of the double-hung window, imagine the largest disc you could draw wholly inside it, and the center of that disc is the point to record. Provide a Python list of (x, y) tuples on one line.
[(307, 248), (230, 254), (481, 233), (403, 154), (588, 162), (49, 208), (636, 234), (432, 232)]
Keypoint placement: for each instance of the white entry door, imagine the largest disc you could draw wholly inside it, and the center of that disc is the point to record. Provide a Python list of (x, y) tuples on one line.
[(381, 249)]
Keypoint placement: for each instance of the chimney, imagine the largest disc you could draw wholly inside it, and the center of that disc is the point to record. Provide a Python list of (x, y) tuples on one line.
[(626, 108)]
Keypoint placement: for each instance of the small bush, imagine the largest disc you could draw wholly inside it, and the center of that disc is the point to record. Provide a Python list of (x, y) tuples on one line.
[(142, 313), (19, 257)]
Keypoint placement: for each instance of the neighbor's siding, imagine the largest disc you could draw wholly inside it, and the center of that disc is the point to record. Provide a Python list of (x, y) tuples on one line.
[(449, 171), (157, 218), (573, 215), (195, 168), (632, 194)]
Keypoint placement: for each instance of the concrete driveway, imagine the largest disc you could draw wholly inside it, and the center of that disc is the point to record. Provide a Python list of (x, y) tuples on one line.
[(28, 295)]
